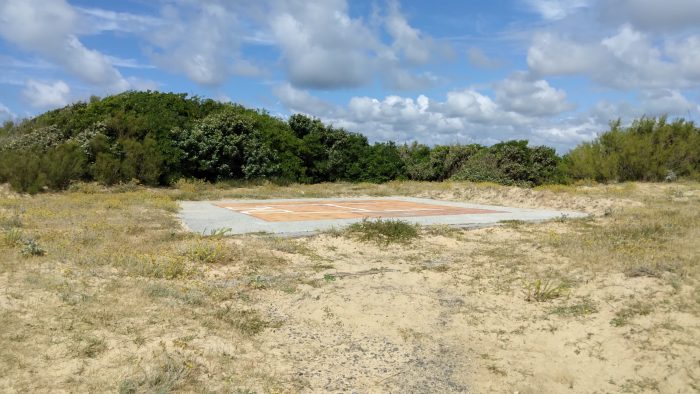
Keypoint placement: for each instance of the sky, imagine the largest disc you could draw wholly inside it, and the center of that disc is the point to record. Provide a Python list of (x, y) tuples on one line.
[(554, 72)]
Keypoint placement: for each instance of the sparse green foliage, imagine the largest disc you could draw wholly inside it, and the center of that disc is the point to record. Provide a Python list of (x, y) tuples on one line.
[(384, 231), (624, 315), (543, 290), (246, 321), (32, 248), (583, 307)]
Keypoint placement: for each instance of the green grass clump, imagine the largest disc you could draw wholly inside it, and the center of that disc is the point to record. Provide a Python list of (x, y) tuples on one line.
[(384, 231), (543, 290)]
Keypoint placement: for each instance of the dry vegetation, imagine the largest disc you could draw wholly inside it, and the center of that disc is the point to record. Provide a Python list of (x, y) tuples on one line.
[(101, 290)]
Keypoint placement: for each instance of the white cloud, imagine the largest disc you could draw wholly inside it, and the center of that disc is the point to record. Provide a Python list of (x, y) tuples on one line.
[(199, 40), (557, 9), (404, 80), (464, 116), (46, 95), (128, 63), (551, 54), (686, 54), (471, 105), (97, 20), (479, 59), (302, 101), (653, 14), (5, 113), (322, 46), (667, 102), (408, 41), (48, 28), (627, 59), (522, 94)]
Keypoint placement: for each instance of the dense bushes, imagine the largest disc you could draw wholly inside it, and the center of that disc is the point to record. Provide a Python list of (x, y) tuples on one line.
[(157, 138), (54, 168), (649, 150), (512, 162)]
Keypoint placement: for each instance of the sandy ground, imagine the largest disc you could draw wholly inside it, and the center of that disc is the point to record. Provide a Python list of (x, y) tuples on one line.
[(445, 312)]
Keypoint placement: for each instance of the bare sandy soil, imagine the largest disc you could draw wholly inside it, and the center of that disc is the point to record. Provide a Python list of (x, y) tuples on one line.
[(122, 300)]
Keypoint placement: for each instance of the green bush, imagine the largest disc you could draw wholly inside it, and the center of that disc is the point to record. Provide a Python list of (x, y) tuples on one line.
[(31, 171), (157, 138), (649, 150), (384, 231)]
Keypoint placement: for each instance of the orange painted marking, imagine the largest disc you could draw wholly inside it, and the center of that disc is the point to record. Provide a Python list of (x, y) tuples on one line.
[(288, 211)]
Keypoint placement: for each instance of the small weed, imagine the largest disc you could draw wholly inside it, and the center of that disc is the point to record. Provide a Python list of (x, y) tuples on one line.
[(584, 307), (217, 232), (90, 346), (259, 283), (651, 270), (384, 231), (189, 296), (32, 248), (543, 290), (642, 385), (155, 266), (12, 237), (623, 316), (512, 223), (205, 253), (246, 321), (14, 221), (169, 374), (329, 278), (71, 297), (443, 230), (495, 370)]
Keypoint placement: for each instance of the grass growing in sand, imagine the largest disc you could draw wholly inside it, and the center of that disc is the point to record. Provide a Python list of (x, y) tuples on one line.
[(121, 299), (383, 231)]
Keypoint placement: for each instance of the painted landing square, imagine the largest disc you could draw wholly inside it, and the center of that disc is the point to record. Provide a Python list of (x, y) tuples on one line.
[(292, 217)]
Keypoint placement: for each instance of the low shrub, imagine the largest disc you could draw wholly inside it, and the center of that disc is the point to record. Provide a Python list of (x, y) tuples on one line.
[(384, 231)]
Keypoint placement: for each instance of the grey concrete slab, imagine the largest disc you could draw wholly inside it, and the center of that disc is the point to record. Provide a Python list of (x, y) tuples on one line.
[(204, 217)]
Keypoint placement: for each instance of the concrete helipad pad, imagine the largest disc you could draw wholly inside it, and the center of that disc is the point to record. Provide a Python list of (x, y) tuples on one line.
[(306, 216)]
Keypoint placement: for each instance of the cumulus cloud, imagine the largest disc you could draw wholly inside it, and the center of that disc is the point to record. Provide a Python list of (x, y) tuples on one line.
[(463, 116), (199, 40), (666, 102), (48, 28), (551, 54), (472, 105), (525, 95), (323, 47), (627, 59), (46, 94), (410, 42)]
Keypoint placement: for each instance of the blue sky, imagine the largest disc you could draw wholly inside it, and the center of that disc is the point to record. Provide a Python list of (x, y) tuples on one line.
[(551, 71)]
